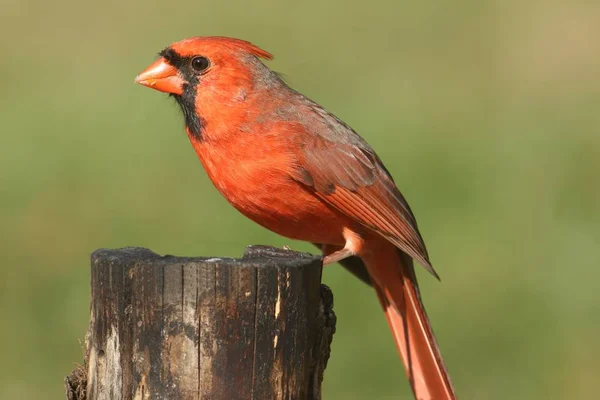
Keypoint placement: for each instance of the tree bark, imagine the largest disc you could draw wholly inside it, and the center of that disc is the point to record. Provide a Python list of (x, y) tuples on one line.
[(170, 327)]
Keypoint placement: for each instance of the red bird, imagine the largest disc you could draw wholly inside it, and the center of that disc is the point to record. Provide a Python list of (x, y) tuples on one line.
[(291, 166)]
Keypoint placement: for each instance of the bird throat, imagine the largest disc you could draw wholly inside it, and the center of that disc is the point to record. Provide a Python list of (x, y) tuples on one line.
[(187, 103), (187, 99)]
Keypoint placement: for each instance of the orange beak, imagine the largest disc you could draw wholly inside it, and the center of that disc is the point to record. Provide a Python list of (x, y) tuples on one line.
[(162, 76)]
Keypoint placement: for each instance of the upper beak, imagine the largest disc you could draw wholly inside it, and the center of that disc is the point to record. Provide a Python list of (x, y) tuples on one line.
[(162, 76)]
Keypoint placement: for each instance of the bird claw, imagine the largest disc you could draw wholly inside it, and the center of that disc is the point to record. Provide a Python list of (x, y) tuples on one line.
[(286, 247)]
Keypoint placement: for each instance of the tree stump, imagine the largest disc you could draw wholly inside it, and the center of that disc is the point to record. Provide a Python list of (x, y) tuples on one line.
[(166, 327)]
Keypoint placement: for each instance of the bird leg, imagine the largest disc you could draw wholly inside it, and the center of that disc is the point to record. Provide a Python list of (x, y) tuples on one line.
[(336, 255)]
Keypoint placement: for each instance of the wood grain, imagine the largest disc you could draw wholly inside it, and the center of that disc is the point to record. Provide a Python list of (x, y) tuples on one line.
[(166, 327)]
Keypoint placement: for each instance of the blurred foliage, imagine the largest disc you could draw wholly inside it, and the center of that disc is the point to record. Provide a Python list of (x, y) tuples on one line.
[(486, 113)]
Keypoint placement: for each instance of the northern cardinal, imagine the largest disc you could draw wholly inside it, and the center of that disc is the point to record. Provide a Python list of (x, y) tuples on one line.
[(291, 166)]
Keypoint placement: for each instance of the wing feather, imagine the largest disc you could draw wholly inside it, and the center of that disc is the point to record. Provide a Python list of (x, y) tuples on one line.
[(347, 174)]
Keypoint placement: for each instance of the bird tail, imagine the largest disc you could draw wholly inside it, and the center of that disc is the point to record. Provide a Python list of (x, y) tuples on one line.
[(396, 285)]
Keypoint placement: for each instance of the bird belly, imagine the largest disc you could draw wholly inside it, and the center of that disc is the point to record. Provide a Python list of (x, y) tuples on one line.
[(290, 210), (259, 186)]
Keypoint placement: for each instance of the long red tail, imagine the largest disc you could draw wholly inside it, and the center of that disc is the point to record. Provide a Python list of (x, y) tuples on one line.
[(396, 285)]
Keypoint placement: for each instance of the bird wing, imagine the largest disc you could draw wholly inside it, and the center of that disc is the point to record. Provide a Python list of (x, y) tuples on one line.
[(345, 173)]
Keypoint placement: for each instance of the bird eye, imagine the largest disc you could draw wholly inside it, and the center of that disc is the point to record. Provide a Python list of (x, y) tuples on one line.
[(200, 63)]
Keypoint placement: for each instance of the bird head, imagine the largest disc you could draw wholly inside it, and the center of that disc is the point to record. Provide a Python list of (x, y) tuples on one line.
[(204, 74)]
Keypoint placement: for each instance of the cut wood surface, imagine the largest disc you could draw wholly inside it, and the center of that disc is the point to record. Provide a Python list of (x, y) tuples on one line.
[(166, 327)]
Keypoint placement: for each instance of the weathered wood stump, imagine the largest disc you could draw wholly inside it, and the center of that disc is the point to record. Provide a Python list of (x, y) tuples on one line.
[(195, 328)]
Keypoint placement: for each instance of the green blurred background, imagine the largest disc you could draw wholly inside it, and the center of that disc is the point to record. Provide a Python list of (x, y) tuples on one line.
[(486, 113)]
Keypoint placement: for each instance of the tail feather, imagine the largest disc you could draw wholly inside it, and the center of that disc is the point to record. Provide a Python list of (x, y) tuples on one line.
[(401, 302)]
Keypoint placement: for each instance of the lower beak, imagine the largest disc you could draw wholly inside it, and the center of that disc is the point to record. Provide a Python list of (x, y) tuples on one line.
[(162, 76)]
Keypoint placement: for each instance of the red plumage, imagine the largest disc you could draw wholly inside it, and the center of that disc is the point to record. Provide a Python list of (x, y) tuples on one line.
[(286, 163)]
